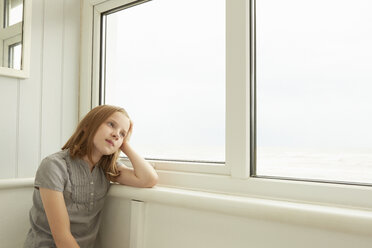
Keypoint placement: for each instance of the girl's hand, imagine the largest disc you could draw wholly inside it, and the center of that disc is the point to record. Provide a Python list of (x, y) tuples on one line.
[(127, 138), (124, 147), (141, 175)]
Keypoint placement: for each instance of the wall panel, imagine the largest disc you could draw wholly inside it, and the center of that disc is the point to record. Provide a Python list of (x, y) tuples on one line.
[(169, 226), (115, 225), (8, 126), (41, 112), (30, 99), (14, 220), (52, 77), (70, 77)]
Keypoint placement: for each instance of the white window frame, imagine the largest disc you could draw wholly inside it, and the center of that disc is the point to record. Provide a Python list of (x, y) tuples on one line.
[(19, 32), (8, 36), (7, 45), (234, 176)]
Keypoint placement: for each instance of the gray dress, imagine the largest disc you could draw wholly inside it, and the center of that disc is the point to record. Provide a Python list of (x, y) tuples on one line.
[(84, 193)]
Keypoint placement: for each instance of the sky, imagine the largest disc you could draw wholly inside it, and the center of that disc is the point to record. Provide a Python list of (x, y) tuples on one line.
[(167, 68), (313, 73)]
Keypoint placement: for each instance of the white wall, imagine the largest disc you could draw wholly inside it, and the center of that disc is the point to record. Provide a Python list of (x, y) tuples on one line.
[(16, 201), (170, 226), (40, 113), (167, 218)]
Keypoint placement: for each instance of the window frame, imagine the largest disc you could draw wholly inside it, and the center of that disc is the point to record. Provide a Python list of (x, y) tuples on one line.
[(8, 44), (234, 177), (97, 51), (22, 33), (10, 35)]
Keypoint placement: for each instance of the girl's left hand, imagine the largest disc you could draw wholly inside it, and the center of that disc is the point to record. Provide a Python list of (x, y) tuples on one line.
[(127, 138), (124, 146)]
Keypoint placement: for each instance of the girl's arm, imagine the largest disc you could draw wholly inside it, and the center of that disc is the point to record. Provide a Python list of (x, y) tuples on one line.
[(58, 219), (142, 175)]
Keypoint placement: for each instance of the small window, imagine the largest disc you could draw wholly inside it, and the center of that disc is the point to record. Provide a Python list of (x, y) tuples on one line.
[(164, 62), (15, 56), (13, 10)]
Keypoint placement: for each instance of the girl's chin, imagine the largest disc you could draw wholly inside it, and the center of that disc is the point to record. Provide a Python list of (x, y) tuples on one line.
[(108, 152), (104, 151)]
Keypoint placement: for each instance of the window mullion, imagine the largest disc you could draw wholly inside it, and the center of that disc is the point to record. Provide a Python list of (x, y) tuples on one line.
[(237, 88)]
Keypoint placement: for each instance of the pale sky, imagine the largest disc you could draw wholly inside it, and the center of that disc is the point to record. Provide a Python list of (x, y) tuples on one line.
[(167, 68), (314, 80)]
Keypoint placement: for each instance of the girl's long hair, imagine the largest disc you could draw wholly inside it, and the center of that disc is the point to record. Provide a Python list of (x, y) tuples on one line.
[(81, 142)]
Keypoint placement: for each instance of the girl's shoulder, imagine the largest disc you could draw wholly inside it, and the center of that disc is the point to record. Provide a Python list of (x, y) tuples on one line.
[(53, 172), (54, 160), (60, 155)]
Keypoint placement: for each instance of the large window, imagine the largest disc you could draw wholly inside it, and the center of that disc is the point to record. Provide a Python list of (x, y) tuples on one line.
[(314, 81), (164, 62), (290, 112)]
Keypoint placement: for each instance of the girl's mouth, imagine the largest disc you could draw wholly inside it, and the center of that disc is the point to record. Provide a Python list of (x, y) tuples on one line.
[(110, 142)]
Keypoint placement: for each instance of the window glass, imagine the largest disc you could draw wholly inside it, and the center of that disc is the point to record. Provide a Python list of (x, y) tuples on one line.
[(164, 62), (15, 56), (314, 84), (13, 12)]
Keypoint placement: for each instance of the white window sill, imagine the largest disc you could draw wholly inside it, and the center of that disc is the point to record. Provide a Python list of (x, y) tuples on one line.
[(16, 183), (342, 219)]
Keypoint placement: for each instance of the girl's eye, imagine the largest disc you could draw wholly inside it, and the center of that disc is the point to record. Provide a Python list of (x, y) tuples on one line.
[(122, 135), (110, 124)]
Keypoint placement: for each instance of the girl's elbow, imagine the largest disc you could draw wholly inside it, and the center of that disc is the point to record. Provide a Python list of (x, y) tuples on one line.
[(152, 181)]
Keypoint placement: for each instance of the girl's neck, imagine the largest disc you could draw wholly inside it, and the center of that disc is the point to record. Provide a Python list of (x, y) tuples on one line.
[(95, 161)]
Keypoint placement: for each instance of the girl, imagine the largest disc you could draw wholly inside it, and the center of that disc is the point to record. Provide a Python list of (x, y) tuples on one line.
[(71, 185)]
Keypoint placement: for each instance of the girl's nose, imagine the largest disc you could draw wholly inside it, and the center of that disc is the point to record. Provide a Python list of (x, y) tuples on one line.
[(115, 134)]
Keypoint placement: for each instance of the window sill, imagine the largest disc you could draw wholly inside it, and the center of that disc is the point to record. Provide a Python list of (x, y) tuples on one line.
[(16, 183), (348, 220), (328, 194)]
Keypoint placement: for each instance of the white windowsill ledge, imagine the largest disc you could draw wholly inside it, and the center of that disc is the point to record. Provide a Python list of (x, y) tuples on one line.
[(15, 183), (347, 220)]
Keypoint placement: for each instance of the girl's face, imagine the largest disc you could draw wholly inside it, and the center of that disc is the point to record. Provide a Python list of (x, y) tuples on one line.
[(110, 135)]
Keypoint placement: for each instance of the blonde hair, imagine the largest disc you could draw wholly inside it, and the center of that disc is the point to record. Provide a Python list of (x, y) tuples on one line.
[(81, 142)]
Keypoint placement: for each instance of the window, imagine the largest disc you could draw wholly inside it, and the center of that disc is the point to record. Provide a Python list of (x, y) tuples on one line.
[(167, 68), (313, 90), (15, 56), (11, 17), (13, 10), (235, 175)]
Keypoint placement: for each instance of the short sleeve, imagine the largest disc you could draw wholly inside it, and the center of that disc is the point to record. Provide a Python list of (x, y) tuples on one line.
[(52, 174)]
